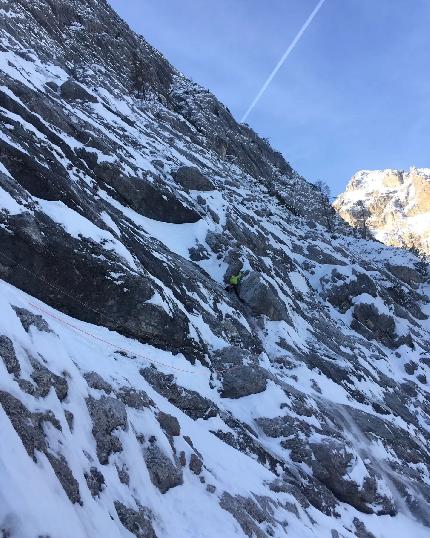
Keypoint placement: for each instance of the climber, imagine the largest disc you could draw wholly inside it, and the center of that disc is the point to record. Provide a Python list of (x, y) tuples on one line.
[(234, 283)]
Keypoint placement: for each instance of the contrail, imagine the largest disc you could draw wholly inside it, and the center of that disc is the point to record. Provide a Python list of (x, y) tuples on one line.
[(282, 60)]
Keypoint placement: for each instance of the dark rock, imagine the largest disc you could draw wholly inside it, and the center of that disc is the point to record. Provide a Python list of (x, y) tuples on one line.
[(240, 373), (70, 419), (262, 298), (199, 253), (145, 198), (182, 458), (216, 242), (28, 319), (27, 425), (107, 414), (360, 529), (138, 522), (407, 274), (65, 476), (27, 386), (45, 380), (211, 488), (163, 472), (341, 295), (195, 464), (95, 481), (52, 85), (243, 380), (325, 258), (422, 378), (330, 463), (188, 401), (72, 91), (95, 381), (123, 475), (239, 510), (169, 423), (397, 439), (411, 367), (137, 399), (373, 325), (191, 179), (7, 353), (29, 428)]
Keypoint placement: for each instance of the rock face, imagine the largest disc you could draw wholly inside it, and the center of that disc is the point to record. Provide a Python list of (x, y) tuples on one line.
[(192, 179), (262, 298), (132, 382), (397, 202), (71, 90)]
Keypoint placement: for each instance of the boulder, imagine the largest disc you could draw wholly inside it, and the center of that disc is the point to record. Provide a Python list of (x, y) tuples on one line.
[(169, 424), (95, 381), (28, 319), (247, 517), (95, 481), (196, 464), (72, 91), (243, 381), (262, 298), (191, 179), (138, 522), (239, 372), (407, 274), (137, 399), (340, 296), (107, 414), (7, 353), (188, 401), (45, 380), (164, 474), (368, 321)]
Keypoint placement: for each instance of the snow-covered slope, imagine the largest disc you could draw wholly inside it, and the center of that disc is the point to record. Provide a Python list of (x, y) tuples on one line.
[(137, 395), (398, 203)]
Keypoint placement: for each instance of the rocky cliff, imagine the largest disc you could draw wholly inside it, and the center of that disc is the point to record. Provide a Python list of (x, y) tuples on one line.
[(138, 396), (397, 204)]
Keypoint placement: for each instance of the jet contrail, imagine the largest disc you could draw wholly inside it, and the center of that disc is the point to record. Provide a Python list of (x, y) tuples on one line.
[(284, 57)]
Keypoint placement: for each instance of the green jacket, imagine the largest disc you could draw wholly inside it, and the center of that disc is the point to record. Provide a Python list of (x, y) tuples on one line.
[(234, 279)]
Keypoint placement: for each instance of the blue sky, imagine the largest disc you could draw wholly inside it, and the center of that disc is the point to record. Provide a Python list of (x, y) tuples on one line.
[(354, 94)]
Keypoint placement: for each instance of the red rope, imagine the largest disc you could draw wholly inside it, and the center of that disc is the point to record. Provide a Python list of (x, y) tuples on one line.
[(125, 350), (106, 341)]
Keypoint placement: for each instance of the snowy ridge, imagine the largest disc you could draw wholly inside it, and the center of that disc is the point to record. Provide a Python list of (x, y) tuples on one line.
[(138, 396)]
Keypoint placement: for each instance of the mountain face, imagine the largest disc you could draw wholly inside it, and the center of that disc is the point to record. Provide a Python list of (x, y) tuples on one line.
[(139, 396), (397, 204)]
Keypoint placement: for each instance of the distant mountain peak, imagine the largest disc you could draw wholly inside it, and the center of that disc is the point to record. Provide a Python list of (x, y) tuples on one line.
[(398, 205)]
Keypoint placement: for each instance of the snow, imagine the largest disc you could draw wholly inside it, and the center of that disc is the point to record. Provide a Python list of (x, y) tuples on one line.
[(33, 493), (34, 485), (8, 203), (76, 225), (178, 238)]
